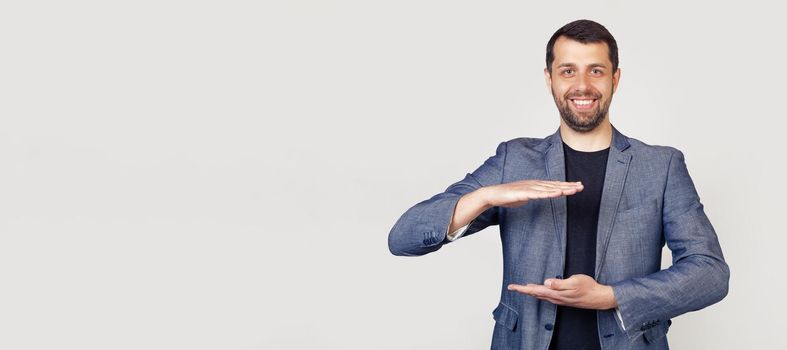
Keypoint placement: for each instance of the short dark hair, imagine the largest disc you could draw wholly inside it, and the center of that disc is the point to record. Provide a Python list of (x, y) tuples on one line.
[(585, 31)]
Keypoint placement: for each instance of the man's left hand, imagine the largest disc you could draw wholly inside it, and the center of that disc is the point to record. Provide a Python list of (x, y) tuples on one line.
[(580, 291)]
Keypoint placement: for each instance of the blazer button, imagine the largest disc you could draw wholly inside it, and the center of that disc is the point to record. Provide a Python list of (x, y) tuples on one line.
[(548, 326)]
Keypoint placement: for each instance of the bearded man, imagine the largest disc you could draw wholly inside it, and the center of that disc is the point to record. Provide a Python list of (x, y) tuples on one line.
[(583, 214)]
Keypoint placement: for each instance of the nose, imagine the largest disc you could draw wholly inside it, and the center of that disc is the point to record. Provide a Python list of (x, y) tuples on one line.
[(581, 84)]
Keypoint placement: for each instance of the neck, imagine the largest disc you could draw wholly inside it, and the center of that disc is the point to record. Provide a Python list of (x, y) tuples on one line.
[(595, 140)]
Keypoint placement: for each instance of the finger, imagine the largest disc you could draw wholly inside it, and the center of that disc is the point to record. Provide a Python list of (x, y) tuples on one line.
[(545, 194), (572, 188), (543, 188), (529, 289), (537, 192), (547, 294), (570, 191), (565, 183), (553, 192), (550, 186), (541, 193), (560, 184), (575, 281), (534, 290), (519, 288), (571, 283), (555, 300), (555, 284)]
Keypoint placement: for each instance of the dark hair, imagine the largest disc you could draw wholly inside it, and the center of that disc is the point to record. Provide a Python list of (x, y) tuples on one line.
[(585, 31)]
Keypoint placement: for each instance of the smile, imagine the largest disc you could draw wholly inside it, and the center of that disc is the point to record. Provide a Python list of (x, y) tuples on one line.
[(584, 104)]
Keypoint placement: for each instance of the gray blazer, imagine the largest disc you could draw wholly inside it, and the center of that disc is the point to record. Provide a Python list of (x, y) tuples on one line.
[(648, 200)]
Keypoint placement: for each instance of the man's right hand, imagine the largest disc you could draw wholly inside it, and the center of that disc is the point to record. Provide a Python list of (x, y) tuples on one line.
[(516, 194), (508, 195)]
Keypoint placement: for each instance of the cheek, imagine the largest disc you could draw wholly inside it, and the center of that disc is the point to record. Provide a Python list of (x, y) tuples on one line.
[(607, 87), (559, 90)]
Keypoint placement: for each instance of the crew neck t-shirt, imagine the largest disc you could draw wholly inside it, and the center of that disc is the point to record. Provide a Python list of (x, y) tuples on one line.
[(575, 328)]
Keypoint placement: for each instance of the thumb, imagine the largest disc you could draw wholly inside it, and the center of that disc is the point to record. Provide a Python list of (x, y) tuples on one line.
[(554, 283)]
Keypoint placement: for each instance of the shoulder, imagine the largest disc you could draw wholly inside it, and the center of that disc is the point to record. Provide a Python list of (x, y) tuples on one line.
[(526, 149), (644, 150), (654, 159), (527, 144)]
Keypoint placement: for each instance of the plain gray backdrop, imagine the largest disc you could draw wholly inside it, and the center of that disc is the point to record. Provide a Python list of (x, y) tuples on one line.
[(224, 174)]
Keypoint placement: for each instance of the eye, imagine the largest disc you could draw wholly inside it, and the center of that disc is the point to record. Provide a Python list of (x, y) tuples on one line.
[(596, 71), (568, 71)]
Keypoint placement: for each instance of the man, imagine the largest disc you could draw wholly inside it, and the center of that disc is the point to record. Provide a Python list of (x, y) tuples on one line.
[(584, 214)]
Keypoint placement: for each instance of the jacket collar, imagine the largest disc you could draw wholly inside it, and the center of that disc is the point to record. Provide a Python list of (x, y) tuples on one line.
[(619, 140)]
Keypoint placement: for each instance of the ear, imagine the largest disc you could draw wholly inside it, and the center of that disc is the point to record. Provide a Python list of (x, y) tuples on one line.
[(548, 78), (615, 80)]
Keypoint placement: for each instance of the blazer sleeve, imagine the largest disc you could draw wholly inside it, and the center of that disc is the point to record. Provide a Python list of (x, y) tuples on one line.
[(423, 228), (698, 277)]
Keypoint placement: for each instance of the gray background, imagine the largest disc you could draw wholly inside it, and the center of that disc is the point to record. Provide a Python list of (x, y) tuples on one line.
[(224, 174)]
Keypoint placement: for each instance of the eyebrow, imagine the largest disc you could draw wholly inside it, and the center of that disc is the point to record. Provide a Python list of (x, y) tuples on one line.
[(592, 65)]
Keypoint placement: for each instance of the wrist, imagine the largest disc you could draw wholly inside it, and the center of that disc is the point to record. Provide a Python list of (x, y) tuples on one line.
[(611, 302), (484, 195)]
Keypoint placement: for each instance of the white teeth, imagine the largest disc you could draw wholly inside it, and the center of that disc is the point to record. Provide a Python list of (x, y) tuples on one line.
[(583, 102)]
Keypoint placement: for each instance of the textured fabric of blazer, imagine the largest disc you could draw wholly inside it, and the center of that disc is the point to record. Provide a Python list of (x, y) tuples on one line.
[(648, 200)]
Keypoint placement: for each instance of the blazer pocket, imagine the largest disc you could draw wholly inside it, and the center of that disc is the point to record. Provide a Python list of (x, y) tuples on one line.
[(505, 316), (642, 216), (650, 204)]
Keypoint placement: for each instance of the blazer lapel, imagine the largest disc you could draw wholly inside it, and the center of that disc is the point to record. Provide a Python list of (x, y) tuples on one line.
[(614, 180), (556, 171)]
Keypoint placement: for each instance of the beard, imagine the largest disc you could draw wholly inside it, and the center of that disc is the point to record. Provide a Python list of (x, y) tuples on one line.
[(582, 123)]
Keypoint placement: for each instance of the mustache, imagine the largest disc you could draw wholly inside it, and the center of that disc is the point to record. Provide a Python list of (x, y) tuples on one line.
[(583, 96)]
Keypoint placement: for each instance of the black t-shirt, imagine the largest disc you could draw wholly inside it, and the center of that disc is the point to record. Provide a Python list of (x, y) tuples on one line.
[(577, 329)]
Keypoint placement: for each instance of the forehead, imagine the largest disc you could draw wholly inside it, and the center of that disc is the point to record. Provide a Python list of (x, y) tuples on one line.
[(571, 51)]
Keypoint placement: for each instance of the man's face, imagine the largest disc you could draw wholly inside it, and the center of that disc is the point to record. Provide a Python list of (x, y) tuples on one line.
[(582, 82)]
